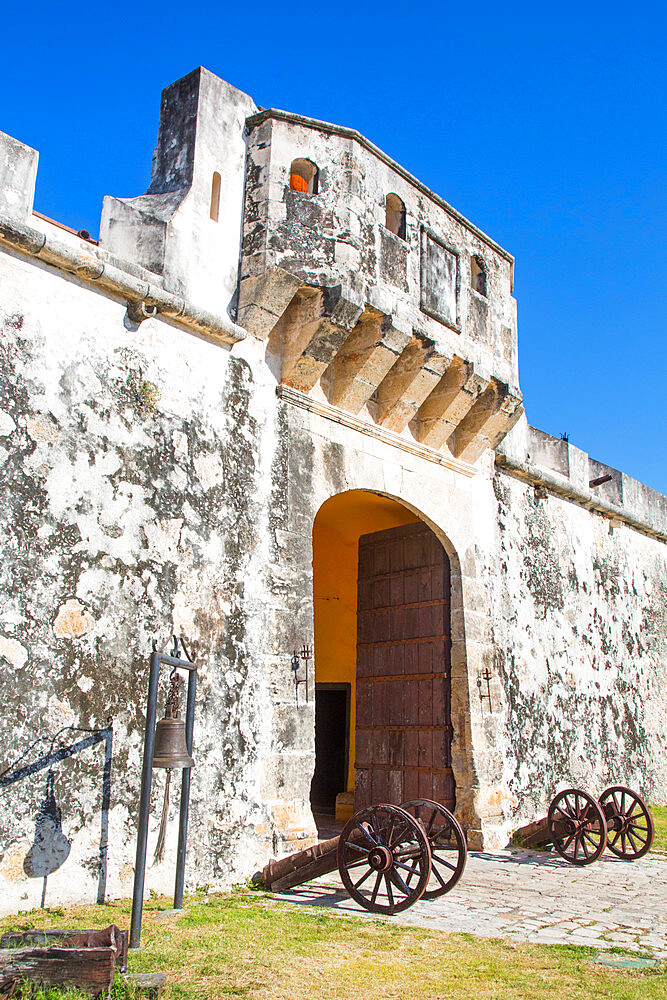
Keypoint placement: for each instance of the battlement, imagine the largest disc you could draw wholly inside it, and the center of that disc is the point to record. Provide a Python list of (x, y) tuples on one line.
[(557, 466)]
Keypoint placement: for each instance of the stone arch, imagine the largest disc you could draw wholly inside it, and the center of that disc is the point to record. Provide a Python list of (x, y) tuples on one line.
[(337, 526)]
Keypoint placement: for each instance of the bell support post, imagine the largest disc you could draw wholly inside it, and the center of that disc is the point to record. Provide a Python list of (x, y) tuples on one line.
[(157, 660), (185, 793)]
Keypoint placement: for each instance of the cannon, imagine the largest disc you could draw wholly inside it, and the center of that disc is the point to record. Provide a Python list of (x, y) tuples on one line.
[(387, 856), (580, 827)]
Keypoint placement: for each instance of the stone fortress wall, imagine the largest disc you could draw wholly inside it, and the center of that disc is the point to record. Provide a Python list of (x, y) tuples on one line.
[(178, 402)]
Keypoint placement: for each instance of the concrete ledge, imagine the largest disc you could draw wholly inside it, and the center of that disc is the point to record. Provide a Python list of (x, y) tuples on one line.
[(86, 265)]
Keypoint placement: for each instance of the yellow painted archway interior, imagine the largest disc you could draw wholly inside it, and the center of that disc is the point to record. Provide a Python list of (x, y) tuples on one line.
[(338, 525)]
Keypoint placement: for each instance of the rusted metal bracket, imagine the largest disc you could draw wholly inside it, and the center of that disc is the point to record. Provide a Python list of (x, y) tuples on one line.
[(485, 675), (305, 654)]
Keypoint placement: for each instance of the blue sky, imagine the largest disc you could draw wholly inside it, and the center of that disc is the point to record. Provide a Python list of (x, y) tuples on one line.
[(544, 124)]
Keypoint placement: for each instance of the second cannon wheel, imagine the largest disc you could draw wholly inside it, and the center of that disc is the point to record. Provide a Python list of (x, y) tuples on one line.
[(629, 822), (449, 852), (577, 826)]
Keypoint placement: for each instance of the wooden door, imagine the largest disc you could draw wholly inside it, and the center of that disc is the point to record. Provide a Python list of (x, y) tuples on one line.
[(403, 718)]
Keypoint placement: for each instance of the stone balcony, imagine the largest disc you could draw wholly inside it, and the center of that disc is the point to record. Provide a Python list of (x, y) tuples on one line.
[(413, 331), (325, 342)]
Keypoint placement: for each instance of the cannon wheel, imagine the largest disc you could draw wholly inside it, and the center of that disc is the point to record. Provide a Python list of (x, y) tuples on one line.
[(449, 852), (577, 826), (380, 847), (629, 822)]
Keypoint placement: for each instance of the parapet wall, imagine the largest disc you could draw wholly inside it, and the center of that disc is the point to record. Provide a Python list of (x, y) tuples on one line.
[(557, 466)]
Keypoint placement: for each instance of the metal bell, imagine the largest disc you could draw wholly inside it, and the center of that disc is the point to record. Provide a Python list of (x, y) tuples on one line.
[(170, 749)]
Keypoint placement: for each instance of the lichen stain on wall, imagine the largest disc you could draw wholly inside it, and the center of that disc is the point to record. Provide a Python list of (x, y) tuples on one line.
[(127, 512), (574, 603)]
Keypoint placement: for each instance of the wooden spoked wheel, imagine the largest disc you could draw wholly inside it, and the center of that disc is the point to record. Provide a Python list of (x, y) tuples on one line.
[(379, 849), (629, 822), (449, 852), (577, 826)]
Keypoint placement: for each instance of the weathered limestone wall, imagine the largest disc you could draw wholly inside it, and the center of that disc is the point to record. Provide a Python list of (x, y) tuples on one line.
[(577, 620), (154, 482), (133, 479), (181, 230), (338, 235), (580, 636)]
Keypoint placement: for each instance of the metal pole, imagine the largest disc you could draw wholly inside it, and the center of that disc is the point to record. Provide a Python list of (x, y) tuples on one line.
[(144, 805), (104, 821), (185, 793)]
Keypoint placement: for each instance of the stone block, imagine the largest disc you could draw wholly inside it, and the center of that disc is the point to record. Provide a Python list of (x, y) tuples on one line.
[(18, 172), (409, 381), (264, 298), (309, 343), (493, 414), (365, 358), (449, 402)]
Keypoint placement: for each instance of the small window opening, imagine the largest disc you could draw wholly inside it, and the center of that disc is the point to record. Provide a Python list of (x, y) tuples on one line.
[(303, 176), (478, 275), (215, 196), (395, 215)]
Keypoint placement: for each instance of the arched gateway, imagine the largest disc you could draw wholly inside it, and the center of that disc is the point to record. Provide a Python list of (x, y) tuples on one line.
[(382, 656)]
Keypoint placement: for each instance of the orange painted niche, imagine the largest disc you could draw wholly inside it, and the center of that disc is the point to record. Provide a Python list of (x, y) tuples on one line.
[(338, 525)]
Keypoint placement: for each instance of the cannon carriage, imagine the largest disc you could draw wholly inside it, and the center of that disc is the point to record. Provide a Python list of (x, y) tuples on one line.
[(580, 827), (387, 856)]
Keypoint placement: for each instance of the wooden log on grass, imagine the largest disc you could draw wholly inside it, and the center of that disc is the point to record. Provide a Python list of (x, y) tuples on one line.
[(90, 970), (46, 937)]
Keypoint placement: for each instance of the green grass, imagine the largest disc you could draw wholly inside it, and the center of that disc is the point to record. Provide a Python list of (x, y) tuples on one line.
[(248, 945), (659, 814), (119, 991)]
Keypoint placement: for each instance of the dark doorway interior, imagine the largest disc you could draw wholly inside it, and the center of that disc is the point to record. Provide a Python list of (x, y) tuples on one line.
[(332, 740)]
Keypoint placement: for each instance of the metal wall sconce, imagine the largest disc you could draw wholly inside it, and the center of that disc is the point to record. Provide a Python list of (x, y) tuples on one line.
[(485, 675), (305, 654)]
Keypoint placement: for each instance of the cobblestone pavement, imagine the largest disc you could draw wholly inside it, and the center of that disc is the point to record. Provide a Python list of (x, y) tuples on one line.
[(537, 897)]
